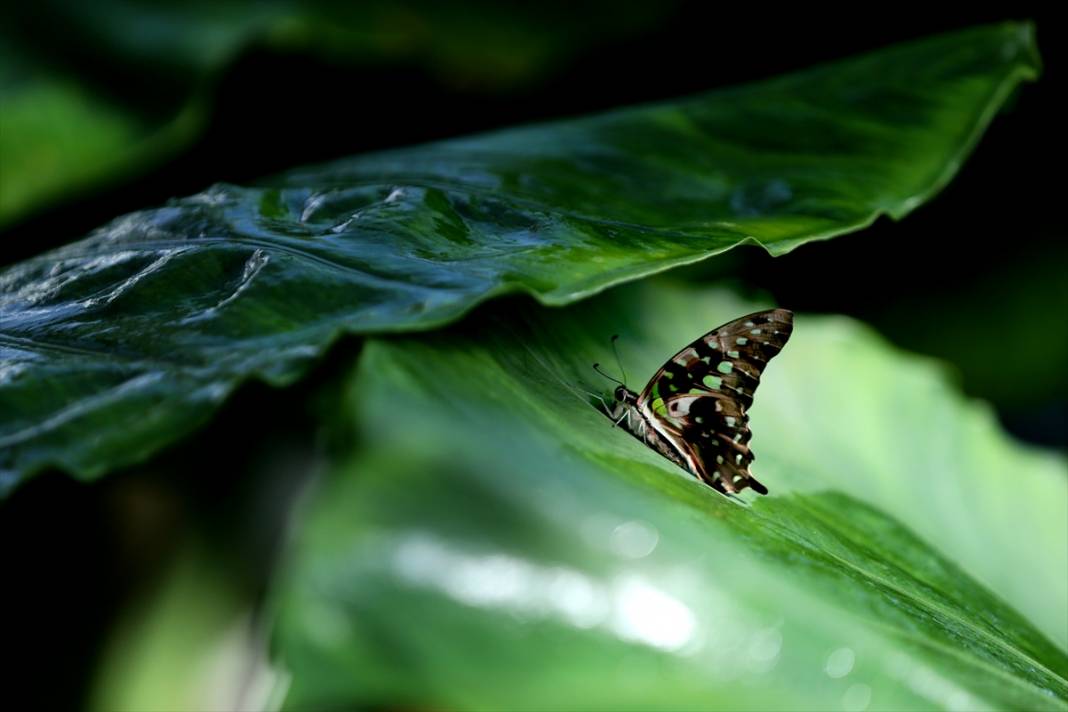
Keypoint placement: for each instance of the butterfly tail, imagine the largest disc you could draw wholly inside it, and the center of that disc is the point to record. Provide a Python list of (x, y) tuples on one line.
[(756, 485)]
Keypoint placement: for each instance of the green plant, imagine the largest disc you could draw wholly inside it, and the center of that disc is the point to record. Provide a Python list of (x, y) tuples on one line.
[(480, 536)]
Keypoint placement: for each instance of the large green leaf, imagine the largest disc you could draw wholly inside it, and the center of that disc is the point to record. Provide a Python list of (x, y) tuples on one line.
[(496, 544), (124, 341)]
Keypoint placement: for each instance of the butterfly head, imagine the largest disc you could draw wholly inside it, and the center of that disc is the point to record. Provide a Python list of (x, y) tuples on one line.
[(623, 394)]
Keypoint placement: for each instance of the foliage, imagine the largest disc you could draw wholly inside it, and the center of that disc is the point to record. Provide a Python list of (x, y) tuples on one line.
[(490, 509), (188, 300)]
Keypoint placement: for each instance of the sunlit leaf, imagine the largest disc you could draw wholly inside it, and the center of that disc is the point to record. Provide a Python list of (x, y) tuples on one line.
[(496, 544), (124, 341)]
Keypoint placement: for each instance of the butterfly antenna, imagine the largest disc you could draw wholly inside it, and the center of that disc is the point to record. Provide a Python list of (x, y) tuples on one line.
[(575, 390), (619, 361), (597, 368)]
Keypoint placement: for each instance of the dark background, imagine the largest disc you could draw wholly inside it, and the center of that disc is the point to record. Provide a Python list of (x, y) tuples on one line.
[(967, 278)]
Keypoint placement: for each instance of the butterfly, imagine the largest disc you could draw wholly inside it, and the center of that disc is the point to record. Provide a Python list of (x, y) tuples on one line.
[(694, 409)]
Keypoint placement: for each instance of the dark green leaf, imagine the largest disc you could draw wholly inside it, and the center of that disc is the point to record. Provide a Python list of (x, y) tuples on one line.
[(497, 544), (125, 340)]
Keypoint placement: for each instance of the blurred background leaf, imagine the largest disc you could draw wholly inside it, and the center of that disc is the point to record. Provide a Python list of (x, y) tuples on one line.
[(192, 645), (494, 543), (96, 94), (933, 295), (57, 135), (190, 299)]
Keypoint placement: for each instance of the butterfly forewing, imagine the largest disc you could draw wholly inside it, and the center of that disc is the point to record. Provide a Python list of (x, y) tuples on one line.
[(700, 398)]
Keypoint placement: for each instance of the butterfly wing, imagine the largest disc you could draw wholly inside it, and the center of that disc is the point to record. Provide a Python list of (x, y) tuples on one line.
[(700, 398)]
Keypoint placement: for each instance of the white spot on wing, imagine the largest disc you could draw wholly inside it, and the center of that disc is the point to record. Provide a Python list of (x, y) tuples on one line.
[(681, 405), (686, 356)]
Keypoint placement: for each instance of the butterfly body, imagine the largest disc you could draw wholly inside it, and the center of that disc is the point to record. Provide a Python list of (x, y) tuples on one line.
[(694, 409), (628, 416)]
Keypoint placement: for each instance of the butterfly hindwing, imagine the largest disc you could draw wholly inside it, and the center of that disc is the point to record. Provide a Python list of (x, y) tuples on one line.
[(700, 398)]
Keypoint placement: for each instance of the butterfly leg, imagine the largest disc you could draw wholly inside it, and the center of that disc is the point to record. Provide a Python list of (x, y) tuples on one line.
[(604, 403), (644, 431)]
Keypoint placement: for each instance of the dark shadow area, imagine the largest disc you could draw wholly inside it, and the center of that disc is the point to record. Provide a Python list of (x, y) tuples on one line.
[(82, 554)]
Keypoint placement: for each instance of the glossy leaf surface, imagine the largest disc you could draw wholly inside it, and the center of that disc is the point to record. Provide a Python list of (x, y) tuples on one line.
[(124, 341)]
